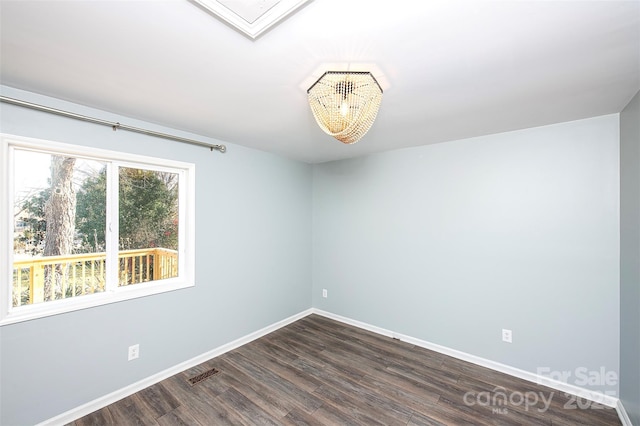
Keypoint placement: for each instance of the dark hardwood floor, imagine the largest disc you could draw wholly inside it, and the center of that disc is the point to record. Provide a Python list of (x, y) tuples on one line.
[(317, 371)]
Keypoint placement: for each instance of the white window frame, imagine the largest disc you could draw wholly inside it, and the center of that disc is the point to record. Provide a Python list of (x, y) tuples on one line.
[(113, 293)]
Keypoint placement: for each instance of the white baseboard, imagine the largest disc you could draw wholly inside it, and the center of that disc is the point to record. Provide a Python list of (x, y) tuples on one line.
[(622, 413), (483, 362), (99, 403)]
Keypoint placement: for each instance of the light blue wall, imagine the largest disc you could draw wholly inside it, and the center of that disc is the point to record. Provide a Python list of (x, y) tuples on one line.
[(253, 268), (447, 243), (630, 258), (452, 242)]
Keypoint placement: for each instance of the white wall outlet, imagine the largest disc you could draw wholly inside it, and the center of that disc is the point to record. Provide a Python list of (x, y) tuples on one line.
[(324, 293), (134, 351), (507, 335)]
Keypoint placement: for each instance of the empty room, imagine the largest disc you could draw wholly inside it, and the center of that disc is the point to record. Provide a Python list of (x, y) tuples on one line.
[(320, 212)]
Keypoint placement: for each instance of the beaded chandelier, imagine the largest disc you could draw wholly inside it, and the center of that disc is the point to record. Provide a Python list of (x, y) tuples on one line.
[(345, 103)]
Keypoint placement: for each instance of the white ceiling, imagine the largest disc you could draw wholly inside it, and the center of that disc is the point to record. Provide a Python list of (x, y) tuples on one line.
[(450, 69)]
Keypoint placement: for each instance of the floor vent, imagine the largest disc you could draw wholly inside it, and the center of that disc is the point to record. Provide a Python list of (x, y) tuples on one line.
[(203, 376)]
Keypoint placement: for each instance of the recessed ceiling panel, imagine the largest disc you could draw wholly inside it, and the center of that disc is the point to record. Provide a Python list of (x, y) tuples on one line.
[(251, 17), (249, 10)]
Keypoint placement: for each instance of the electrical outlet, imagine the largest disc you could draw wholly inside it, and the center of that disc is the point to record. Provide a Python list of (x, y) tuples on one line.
[(507, 335), (324, 293), (134, 351)]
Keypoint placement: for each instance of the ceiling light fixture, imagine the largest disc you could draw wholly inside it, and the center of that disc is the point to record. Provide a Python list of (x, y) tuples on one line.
[(345, 103)]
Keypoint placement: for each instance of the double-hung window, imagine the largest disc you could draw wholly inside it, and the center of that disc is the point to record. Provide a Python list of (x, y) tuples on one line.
[(84, 227)]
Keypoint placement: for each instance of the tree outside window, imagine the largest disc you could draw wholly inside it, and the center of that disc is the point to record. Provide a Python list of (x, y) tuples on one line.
[(88, 225)]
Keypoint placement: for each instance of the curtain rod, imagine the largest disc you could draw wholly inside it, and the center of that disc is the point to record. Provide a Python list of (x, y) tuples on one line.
[(114, 125)]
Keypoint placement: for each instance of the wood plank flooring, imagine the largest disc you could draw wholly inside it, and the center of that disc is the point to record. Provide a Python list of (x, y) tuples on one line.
[(317, 371)]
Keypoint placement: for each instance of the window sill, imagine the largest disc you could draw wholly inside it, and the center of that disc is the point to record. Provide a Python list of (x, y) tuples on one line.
[(46, 309)]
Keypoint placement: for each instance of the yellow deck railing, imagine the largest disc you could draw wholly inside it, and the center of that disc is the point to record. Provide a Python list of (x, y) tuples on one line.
[(79, 274)]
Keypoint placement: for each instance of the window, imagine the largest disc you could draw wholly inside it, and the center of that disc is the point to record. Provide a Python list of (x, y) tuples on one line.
[(86, 227)]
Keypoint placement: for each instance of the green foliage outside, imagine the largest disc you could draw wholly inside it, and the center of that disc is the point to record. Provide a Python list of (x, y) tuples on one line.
[(148, 212), (91, 213), (148, 209), (34, 223)]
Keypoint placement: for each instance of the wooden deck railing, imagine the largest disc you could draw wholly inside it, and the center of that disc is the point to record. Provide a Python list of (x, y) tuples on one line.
[(79, 274)]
